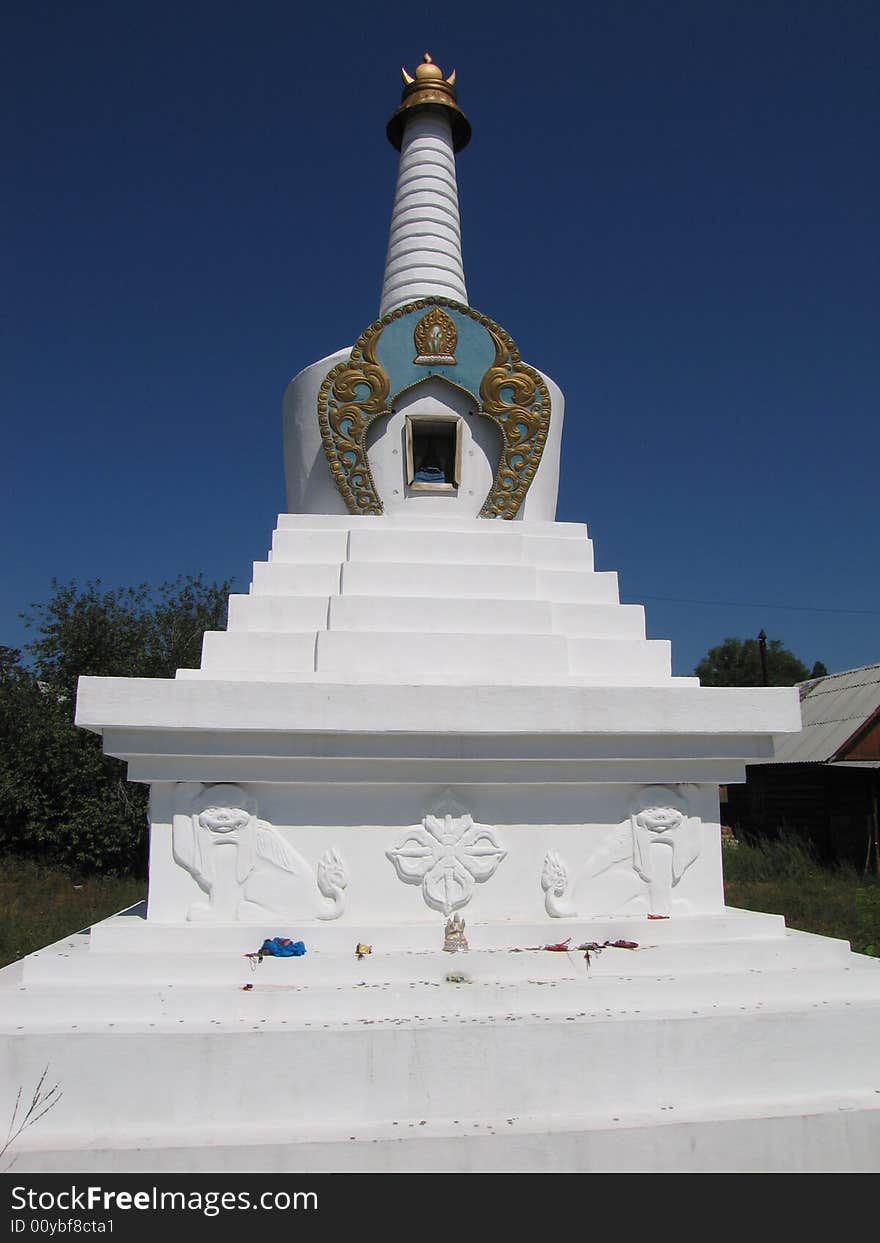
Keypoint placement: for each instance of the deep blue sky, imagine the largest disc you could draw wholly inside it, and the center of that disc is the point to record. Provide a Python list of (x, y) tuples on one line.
[(673, 208)]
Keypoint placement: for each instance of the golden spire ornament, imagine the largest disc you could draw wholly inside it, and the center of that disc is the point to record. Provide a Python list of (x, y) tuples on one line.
[(427, 88)]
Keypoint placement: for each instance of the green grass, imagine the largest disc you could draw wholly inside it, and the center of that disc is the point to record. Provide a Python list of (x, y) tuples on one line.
[(783, 877), (39, 905)]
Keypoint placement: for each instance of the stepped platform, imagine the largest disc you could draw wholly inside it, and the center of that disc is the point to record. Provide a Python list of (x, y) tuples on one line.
[(714, 1045), (434, 602)]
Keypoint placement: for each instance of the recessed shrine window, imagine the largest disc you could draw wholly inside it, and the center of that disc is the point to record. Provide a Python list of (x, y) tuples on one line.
[(433, 453)]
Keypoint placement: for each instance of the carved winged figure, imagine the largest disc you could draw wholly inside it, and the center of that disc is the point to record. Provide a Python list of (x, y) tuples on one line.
[(219, 843), (660, 822)]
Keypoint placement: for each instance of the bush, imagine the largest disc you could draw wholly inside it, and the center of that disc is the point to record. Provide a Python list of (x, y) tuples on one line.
[(61, 799)]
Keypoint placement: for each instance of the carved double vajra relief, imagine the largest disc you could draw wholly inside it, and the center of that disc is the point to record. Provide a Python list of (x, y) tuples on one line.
[(244, 866), (651, 852), (447, 855)]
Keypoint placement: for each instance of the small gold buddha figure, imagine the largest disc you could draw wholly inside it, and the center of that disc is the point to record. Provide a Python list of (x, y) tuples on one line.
[(454, 938)]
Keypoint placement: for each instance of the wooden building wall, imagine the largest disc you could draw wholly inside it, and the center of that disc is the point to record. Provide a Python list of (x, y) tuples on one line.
[(831, 805)]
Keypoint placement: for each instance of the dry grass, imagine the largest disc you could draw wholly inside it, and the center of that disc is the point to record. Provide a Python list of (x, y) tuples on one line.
[(783, 876), (39, 905)]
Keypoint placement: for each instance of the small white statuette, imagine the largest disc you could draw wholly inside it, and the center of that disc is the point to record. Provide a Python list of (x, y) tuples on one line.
[(554, 882), (332, 876), (447, 855)]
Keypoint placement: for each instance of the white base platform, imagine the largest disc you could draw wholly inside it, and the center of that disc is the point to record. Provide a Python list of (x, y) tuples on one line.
[(724, 1042), (426, 716)]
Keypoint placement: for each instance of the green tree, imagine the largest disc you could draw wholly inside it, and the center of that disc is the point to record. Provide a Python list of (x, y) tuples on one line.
[(737, 662), (61, 798)]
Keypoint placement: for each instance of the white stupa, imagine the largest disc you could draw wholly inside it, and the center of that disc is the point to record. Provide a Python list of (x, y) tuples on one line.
[(431, 708)]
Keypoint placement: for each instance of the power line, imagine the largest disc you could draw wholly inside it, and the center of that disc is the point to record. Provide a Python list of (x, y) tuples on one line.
[(740, 604)]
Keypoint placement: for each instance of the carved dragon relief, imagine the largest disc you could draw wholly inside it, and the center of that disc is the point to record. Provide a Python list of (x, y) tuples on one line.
[(232, 856), (357, 392)]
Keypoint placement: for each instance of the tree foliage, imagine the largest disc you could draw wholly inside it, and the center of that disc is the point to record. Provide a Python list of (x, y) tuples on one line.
[(737, 662), (61, 798)]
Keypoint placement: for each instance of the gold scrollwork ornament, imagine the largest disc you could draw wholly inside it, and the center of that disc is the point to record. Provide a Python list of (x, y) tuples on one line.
[(355, 393)]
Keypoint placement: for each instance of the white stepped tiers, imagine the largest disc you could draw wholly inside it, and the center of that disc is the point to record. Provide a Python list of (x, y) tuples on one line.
[(424, 246), (410, 716), (707, 1048), (489, 603)]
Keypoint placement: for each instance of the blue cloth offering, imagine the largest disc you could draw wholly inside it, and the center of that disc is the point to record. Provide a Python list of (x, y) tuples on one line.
[(282, 947)]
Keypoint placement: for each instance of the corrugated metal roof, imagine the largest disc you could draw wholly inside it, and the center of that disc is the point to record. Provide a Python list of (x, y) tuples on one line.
[(832, 709)]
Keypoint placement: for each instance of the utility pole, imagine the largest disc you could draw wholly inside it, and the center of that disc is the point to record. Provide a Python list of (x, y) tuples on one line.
[(762, 649)]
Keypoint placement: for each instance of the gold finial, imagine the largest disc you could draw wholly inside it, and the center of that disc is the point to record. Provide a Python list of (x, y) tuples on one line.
[(428, 71), (427, 88)]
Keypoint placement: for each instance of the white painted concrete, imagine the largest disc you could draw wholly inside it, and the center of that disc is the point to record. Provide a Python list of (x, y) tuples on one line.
[(489, 659), (706, 1048), (310, 486), (312, 491), (278, 613), (273, 579), (428, 615), (407, 520), (320, 706), (424, 247)]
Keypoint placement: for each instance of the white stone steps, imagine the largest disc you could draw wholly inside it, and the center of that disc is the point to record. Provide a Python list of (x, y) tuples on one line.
[(466, 582), (307, 547), (494, 657), (282, 1000), (487, 1056), (129, 933), (427, 615), (514, 682), (592, 620), (279, 614), (809, 1133), (69, 963), (634, 662), (431, 548), (258, 652), (430, 522), (427, 657), (467, 548), (576, 587), (289, 994), (275, 579), (286, 614), (512, 582)]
